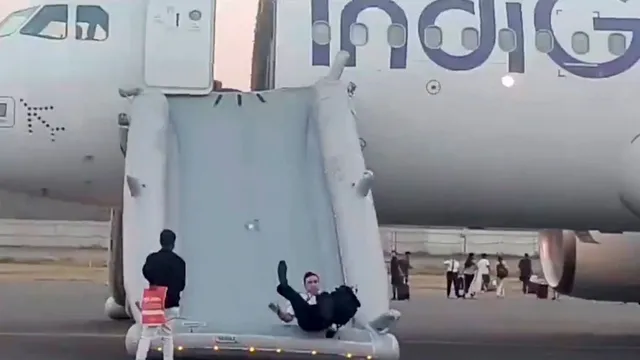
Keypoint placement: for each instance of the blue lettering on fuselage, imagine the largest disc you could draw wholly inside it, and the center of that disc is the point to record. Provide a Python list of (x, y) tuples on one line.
[(543, 12)]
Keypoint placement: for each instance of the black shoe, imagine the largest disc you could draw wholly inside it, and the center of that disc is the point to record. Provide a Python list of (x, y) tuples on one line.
[(282, 272)]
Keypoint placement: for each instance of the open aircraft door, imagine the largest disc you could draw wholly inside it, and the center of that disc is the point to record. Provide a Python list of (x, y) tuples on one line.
[(179, 46)]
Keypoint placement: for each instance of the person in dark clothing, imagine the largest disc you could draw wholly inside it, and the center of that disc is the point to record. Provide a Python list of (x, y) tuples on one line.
[(524, 265), (469, 272), (405, 265), (166, 269), (397, 277), (315, 310)]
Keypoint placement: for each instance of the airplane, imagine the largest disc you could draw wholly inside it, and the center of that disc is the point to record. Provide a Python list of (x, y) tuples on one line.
[(482, 114), (487, 114)]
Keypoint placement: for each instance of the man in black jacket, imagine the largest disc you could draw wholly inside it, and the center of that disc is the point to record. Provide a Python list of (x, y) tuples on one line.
[(524, 265), (397, 277), (167, 269), (316, 310)]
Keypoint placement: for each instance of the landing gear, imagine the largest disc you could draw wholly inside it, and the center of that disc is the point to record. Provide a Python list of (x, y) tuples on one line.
[(115, 306), (115, 311)]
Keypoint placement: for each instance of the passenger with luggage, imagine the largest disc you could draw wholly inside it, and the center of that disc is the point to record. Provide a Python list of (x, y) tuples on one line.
[(484, 270), (404, 291), (163, 269), (470, 274), (405, 266), (524, 265), (502, 272), (397, 277), (315, 310)]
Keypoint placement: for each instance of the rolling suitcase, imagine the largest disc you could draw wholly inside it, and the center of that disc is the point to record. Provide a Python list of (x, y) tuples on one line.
[(459, 286), (542, 291), (403, 292)]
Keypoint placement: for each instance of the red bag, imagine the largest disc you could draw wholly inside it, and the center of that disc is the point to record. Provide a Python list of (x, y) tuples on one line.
[(152, 308)]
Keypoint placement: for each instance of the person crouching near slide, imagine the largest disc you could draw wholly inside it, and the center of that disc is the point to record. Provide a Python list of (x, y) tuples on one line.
[(315, 310), (167, 269)]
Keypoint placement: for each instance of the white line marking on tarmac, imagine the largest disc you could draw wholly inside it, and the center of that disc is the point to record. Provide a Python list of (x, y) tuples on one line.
[(544, 344), (61, 335)]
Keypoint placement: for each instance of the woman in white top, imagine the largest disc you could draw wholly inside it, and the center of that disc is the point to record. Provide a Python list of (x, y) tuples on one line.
[(484, 271)]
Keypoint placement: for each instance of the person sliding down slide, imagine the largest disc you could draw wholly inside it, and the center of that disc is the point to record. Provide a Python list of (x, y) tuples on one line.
[(315, 310)]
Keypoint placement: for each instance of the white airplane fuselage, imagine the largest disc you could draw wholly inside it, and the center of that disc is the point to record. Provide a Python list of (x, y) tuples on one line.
[(493, 139)]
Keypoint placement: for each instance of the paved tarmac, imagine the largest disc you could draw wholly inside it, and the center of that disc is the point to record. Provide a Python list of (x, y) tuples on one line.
[(64, 321)]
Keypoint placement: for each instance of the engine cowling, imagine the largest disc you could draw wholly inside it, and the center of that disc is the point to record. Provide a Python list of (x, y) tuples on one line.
[(592, 265)]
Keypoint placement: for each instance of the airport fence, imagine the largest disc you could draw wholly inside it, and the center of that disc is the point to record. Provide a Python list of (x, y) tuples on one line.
[(54, 233), (445, 242), (426, 241)]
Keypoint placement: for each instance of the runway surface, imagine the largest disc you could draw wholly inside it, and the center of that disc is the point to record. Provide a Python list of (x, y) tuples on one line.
[(64, 321)]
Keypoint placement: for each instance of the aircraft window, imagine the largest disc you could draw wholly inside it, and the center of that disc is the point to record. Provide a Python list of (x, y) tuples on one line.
[(470, 38), (580, 42), (507, 40), (359, 34), (544, 41), (12, 23), (617, 44), (396, 35), (51, 22), (321, 32), (92, 22), (433, 37)]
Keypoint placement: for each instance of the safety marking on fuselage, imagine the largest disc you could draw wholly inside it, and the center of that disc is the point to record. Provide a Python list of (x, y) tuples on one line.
[(61, 335), (37, 114)]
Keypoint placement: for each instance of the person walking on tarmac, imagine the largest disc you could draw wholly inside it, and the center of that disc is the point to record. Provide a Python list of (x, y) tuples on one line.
[(470, 273), (502, 271), (167, 269), (397, 277), (524, 265), (405, 266), (453, 268)]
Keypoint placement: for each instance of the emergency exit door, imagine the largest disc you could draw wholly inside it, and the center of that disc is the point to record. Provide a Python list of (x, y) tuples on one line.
[(179, 46)]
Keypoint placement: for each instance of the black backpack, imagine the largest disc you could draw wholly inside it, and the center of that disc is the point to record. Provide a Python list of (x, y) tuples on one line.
[(502, 271), (346, 305)]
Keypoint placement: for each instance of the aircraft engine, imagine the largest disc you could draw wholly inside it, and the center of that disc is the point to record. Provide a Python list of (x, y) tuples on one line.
[(592, 265)]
